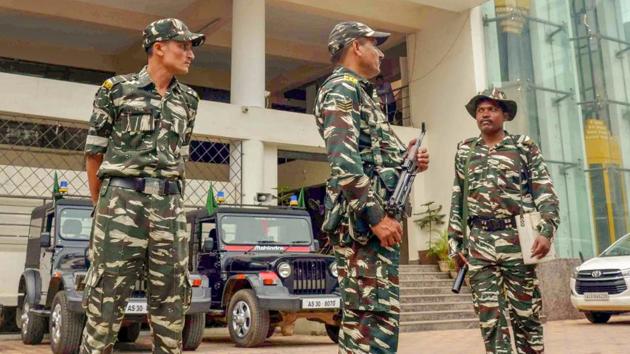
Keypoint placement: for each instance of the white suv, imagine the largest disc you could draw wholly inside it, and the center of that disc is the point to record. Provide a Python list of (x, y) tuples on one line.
[(600, 286)]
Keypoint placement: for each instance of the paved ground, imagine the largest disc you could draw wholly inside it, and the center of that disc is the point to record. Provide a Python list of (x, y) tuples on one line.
[(570, 337)]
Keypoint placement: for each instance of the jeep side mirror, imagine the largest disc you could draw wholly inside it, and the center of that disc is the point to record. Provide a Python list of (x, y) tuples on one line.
[(208, 245), (44, 239), (316, 245)]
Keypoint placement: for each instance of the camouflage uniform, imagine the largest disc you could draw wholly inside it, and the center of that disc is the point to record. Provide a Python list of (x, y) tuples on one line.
[(497, 190), (137, 235), (361, 148)]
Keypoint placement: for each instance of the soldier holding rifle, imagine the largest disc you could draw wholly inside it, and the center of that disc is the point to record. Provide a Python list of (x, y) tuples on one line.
[(365, 157)]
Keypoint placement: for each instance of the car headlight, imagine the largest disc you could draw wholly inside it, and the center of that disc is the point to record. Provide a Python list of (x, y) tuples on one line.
[(284, 270), (574, 273), (333, 269), (625, 272)]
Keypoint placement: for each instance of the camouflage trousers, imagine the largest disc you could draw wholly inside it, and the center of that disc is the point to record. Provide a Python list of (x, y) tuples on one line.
[(136, 236), (368, 281), (500, 281)]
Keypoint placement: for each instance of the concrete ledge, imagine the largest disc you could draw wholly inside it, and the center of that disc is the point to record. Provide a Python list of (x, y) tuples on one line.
[(554, 279)]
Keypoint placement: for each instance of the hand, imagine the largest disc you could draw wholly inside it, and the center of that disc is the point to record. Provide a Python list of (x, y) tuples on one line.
[(460, 261), (541, 247), (422, 156), (422, 159), (388, 231)]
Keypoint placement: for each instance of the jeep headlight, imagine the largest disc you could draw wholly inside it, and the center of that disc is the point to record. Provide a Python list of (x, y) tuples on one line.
[(574, 273), (284, 270), (333, 269), (625, 272)]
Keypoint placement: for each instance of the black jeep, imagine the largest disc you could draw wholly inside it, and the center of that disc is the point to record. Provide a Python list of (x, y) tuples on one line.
[(51, 287), (264, 271)]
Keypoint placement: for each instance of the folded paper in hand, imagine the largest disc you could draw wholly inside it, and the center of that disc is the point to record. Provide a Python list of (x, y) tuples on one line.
[(527, 234)]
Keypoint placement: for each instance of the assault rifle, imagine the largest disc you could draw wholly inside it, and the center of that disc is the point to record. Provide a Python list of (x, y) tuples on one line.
[(396, 205)]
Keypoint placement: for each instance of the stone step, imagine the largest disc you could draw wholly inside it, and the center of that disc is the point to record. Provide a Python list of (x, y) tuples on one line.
[(427, 283), (437, 315), (435, 298), (437, 306), (423, 275), (418, 268), (417, 326), (438, 290)]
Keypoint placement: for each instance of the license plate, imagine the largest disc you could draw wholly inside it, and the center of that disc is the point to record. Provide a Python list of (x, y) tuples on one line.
[(596, 296), (136, 308), (322, 303)]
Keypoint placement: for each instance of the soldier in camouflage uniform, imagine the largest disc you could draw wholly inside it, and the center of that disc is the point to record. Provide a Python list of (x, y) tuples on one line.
[(506, 174), (137, 143), (365, 157)]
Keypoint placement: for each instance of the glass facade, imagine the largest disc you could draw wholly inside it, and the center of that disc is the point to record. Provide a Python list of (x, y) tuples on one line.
[(567, 63)]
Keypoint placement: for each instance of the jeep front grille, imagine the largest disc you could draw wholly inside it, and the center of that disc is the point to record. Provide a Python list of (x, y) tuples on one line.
[(609, 281), (309, 276), (140, 289)]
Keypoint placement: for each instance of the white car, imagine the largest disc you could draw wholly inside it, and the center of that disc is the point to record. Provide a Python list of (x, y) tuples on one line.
[(600, 286)]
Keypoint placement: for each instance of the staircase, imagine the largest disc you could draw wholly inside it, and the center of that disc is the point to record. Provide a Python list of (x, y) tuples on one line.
[(427, 302)]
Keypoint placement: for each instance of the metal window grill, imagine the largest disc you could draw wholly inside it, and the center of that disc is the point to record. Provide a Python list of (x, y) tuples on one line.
[(32, 149)]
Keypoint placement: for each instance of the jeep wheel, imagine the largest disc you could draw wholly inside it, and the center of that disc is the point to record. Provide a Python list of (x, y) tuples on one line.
[(247, 322), (65, 326), (333, 333), (129, 333), (193, 330), (32, 326), (597, 317)]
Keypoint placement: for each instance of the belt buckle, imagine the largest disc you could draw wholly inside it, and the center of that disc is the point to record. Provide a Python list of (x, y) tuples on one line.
[(153, 186)]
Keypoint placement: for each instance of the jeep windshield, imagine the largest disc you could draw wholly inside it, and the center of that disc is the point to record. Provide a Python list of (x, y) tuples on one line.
[(619, 248), (75, 224), (261, 229)]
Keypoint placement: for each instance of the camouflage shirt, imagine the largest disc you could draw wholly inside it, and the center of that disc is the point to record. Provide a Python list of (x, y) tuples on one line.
[(360, 144), (494, 189), (139, 132)]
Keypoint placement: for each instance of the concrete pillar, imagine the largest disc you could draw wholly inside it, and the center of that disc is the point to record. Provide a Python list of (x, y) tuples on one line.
[(248, 53), (248, 89), (253, 170), (311, 96), (404, 92), (270, 172)]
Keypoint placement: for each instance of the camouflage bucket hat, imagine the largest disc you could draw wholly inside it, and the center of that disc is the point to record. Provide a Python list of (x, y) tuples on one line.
[(494, 94), (345, 32), (168, 29)]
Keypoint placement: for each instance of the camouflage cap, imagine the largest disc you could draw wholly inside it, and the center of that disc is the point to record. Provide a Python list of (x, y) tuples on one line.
[(494, 94), (345, 32), (168, 29)]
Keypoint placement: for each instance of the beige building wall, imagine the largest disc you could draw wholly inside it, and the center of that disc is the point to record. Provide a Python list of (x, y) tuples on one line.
[(441, 79), (298, 174)]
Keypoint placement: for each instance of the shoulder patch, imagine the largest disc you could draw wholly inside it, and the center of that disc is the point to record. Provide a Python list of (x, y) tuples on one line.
[(107, 84), (350, 78), (344, 105), (112, 81)]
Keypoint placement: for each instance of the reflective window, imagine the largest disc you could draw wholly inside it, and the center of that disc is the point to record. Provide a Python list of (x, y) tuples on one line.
[(249, 229), (75, 224), (619, 248), (567, 64)]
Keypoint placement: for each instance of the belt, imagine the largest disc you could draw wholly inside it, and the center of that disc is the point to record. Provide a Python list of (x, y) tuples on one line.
[(492, 224), (146, 185)]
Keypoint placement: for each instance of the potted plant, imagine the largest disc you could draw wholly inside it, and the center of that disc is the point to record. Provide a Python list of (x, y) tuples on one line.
[(428, 219), (439, 249)]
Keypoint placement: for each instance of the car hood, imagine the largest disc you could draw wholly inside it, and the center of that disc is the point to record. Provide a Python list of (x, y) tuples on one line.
[(619, 262)]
